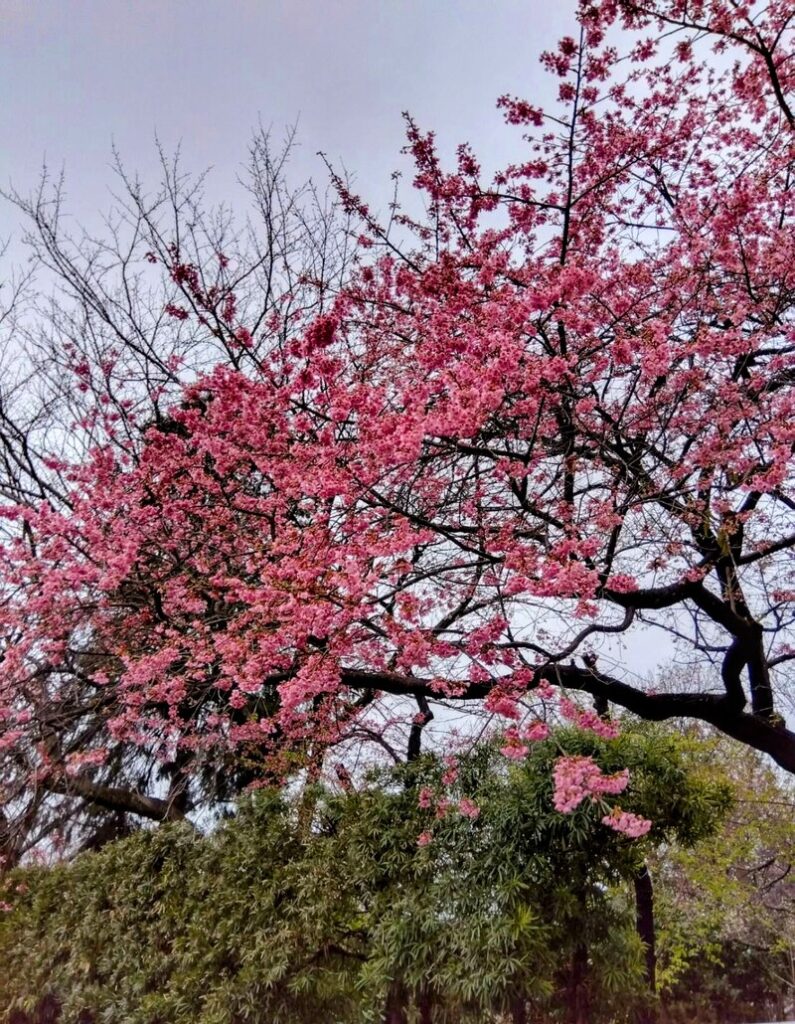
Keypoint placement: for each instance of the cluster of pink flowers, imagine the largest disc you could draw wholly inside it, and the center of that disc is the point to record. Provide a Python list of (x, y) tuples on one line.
[(517, 739), (451, 772), (631, 825), (76, 762), (425, 798), (578, 777), (468, 808), (586, 719)]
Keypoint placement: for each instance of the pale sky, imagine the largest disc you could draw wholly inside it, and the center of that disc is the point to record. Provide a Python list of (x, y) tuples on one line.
[(77, 75)]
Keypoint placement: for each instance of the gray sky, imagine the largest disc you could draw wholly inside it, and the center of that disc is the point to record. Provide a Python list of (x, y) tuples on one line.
[(76, 75)]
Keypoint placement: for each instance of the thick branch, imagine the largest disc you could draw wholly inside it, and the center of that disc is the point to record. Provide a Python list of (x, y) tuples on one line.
[(761, 733), (115, 798)]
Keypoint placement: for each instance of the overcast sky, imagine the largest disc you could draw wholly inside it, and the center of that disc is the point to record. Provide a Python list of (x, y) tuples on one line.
[(77, 75)]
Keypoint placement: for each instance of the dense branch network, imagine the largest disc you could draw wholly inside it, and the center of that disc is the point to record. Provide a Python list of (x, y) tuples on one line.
[(446, 460)]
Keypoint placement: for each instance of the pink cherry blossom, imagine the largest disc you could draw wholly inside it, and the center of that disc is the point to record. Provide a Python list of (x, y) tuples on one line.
[(468, 808), (631, 825), (577, 777)]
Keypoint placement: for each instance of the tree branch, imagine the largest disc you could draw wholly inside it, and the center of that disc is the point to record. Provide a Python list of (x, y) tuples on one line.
[(115, 798)]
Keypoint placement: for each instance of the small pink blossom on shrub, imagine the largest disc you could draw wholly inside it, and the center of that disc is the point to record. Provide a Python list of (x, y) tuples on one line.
[(468, 808), (576, 778), (629, 824), (425, 798)]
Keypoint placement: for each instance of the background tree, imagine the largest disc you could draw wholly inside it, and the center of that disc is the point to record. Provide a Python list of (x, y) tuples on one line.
[(725, 913), (97, 346)]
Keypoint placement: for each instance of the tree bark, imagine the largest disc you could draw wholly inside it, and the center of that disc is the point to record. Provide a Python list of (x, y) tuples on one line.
[(644, 923), (114, 798), (425, 1005), (424, 716), (577, 996), (768, 735), (395, 1011)]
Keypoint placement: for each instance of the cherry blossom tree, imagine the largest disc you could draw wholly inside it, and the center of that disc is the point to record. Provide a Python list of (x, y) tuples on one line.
[(95, 334), (547, 411)]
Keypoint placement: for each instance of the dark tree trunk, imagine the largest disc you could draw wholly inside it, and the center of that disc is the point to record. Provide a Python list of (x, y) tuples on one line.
[(395, 1011), (48, 1009), (644, 923), (425, 1005), (577, 996), (519, 1010), (424, 715)]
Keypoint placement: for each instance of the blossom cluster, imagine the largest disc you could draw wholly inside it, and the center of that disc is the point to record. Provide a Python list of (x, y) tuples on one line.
[(577, 778), (631, 825)]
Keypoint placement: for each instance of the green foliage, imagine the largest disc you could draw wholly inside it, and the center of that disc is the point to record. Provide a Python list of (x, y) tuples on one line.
[(725, 907), (318, 911)]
